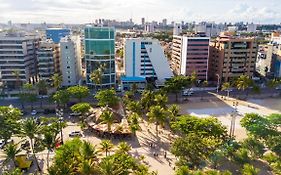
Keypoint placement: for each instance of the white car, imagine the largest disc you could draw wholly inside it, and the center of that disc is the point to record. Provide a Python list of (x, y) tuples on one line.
[(187, 93), (2, 144), (33, 112), (75, 134)]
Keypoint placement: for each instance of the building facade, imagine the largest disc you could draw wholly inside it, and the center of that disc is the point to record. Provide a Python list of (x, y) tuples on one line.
[(145, 60), (100, 52), (56, 34), (232, 56), (70, 62), (190, 54), (48, 56), (18, 63), (177, 29)]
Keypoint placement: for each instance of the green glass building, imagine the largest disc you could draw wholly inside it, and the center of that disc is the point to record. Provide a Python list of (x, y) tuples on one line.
[(100, 52)]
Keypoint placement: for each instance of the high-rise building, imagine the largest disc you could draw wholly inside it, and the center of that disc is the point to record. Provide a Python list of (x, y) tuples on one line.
[(142, 21), (70, 62), (100, 52), (18, 62), (190, 53), (144, 60), (268, 62), (48, 56), (164, 22), (149, 27), (177, 29), (252, 28), (232, 56), (56, 34)]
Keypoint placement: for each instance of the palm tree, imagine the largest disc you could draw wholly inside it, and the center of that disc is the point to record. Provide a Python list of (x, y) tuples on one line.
[(10, 151), (134, 106), (49, 142), (16, 171), (109, 167), (250, 170), (157, 114), (108, 118), (273, 83), (88, 151), (57, 80), (147, 99), (106, 146), (30, 129), (96, 76), (243, 83), (161, 100), (42, 87), (87, 167), (174, 112), (134, 122), (18, 80), (226, 87), (124, 148)]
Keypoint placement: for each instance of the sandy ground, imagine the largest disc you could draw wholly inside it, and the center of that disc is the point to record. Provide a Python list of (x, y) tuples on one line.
[(224, 108)]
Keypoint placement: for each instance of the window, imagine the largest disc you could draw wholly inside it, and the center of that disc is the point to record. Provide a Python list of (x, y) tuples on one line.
[(68, 67), (66, 47)]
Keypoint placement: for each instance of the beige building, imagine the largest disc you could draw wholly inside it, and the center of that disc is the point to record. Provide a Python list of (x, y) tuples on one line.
[(232, 56)]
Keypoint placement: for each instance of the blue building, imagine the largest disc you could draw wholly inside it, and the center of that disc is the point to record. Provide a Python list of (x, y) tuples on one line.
[(57, 33), (100, 53)]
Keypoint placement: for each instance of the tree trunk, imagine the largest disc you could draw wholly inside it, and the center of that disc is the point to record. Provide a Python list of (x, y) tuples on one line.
[(37, 163), (48, 161)]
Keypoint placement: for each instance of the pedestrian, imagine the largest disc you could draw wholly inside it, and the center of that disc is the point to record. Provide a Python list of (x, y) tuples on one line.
[(165, 154)]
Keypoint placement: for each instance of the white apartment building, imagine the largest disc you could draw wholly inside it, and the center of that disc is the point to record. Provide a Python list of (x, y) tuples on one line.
[(177, 29), (17, 59), (70, 60), (145, 59), (48, 60), (252, 28)]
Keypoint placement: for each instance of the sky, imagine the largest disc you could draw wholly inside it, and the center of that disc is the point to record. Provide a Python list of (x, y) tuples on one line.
[(85, 11)]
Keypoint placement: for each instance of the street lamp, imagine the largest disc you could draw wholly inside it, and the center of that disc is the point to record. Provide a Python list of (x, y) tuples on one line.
[(218, 83), (233, 119), (59, 113)]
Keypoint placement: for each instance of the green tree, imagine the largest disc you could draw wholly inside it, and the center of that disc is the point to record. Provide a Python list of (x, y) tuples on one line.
[(107, 97), (42, 87), (10, 151), (173, 112), (106, 146), (108, 118), (9, 118), (57, 80), (96, 77), (273, 83), (147, 99), (157, 115), (78, 92), (134, 122), (18, 79), (134, 88), (82, 108), (226, 87), (243, 83), (255, 147), (250, 170), (161, 100), (31, 97), (135, 107), (30, 129), (16, 171), (176, 84), (123, 148), (61, 97)]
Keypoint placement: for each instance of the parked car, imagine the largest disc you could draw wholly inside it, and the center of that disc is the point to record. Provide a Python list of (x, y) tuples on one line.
[(75, 114), (75, 134), (187, 93), (33, 112)]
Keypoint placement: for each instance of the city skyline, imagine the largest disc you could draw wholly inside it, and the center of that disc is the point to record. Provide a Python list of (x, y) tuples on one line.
[(86, 11)]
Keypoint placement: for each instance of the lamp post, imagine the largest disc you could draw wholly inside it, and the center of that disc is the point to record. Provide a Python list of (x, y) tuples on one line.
[(233, 119), (218, 83), (59, 113)]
